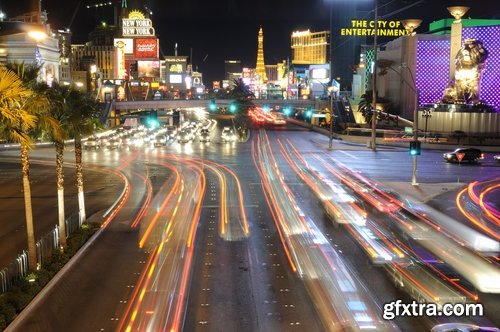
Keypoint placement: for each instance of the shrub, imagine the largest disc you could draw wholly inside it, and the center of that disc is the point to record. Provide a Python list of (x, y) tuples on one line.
[(25, 289)]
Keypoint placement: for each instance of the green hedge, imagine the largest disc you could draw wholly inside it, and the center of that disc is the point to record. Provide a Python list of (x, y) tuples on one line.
[(25, 289)]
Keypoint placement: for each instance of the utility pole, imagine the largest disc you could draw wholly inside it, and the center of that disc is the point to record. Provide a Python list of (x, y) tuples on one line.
[(374, 93), (330, 142)]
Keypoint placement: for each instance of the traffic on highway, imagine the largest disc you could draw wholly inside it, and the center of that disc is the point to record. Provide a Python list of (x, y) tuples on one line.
[(277, 229)]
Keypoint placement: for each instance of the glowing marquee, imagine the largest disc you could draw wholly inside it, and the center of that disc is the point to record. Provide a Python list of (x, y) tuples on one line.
[(137, 25), (367, 28)]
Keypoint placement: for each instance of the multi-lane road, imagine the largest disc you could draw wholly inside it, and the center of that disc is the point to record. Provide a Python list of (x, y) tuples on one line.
[(233, 236)]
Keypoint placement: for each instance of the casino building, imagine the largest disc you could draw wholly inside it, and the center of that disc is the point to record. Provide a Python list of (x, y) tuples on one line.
[(426, 72)]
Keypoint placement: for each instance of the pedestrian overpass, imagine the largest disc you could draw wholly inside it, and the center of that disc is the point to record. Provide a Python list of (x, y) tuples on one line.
[(169, 104), (115, 110)]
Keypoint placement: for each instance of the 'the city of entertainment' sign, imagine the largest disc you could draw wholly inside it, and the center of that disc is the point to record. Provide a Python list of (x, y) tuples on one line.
[(367, 28), (137, 25)]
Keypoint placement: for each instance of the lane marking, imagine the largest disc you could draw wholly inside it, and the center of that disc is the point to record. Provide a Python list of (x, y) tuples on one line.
[(349, 154)]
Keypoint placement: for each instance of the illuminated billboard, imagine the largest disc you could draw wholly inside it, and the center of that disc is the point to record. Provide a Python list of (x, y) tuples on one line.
[(175, 78), (176, 68), (146, 48), (320, 73), (137, 25), (123, 46), (127, 44), (148, 68)]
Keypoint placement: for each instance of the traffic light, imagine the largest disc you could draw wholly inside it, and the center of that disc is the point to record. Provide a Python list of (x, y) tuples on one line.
[(152, 120), (287, 110), (265, 108), (309, 113), (233, 107), (415, 148), (212, 106)]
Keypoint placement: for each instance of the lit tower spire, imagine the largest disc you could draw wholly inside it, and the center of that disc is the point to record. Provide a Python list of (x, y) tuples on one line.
[(260, 68)]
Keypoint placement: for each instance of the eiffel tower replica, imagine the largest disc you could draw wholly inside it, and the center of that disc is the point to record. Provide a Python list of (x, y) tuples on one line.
[(260, 68)]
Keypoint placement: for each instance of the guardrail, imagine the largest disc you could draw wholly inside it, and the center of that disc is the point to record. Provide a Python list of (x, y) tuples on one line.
[(45, 247)]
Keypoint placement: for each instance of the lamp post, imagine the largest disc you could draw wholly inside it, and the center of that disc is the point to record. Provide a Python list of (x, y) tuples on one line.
[(410, 25)]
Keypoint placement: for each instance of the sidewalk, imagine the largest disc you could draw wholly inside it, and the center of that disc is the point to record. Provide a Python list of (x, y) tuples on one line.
[(365, 140), (424, 192)]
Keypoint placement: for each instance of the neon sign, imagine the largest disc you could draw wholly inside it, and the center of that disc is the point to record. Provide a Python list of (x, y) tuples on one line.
[(367, 28), (137, 25)]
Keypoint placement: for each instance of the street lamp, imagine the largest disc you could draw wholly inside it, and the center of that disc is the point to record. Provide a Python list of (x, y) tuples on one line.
[(414, 88)]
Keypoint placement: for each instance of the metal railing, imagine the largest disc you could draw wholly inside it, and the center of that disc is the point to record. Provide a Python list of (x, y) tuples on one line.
[(45, 247)]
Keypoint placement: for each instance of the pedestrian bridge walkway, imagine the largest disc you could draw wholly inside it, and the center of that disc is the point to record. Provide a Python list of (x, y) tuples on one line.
[(196, 103)]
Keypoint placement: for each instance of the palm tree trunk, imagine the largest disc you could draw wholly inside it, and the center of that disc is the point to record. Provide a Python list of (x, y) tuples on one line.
[(60, 193), (79, 178), (28, 208)]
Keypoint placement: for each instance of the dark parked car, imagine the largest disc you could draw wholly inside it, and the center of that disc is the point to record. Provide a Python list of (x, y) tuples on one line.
[(461, 327), (471, 155)]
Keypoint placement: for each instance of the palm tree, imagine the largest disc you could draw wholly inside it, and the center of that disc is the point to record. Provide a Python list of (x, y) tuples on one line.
[(243, 98), (84, 120), (57, 95), (365, 105), (28, 110)]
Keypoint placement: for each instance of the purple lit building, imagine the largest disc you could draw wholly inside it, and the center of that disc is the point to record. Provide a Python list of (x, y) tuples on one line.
[(432, 66), (421, 63)]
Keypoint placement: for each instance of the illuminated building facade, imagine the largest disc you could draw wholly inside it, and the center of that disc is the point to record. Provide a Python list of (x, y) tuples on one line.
[(309, 50), (18, 44), (232, 70), (102, 56), (96, 58), (426, 66), (64, 39), (309, 47)]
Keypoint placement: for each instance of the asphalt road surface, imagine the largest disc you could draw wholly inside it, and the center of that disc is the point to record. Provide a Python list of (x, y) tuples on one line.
[(236, 280)]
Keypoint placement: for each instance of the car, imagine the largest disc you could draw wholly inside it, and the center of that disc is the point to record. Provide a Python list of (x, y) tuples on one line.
[(461, 327), (128, 140), (204, 135), (93, 142), (228, 135), (184, 136), (160, 140), (471, 155), (171, 132), (114, 143), (496, 158)]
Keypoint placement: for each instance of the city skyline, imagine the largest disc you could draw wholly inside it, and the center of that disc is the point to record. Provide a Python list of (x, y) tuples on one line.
[(212, 33)]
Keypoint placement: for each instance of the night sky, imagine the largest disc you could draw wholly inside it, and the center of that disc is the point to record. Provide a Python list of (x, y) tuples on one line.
[(218, 30)]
